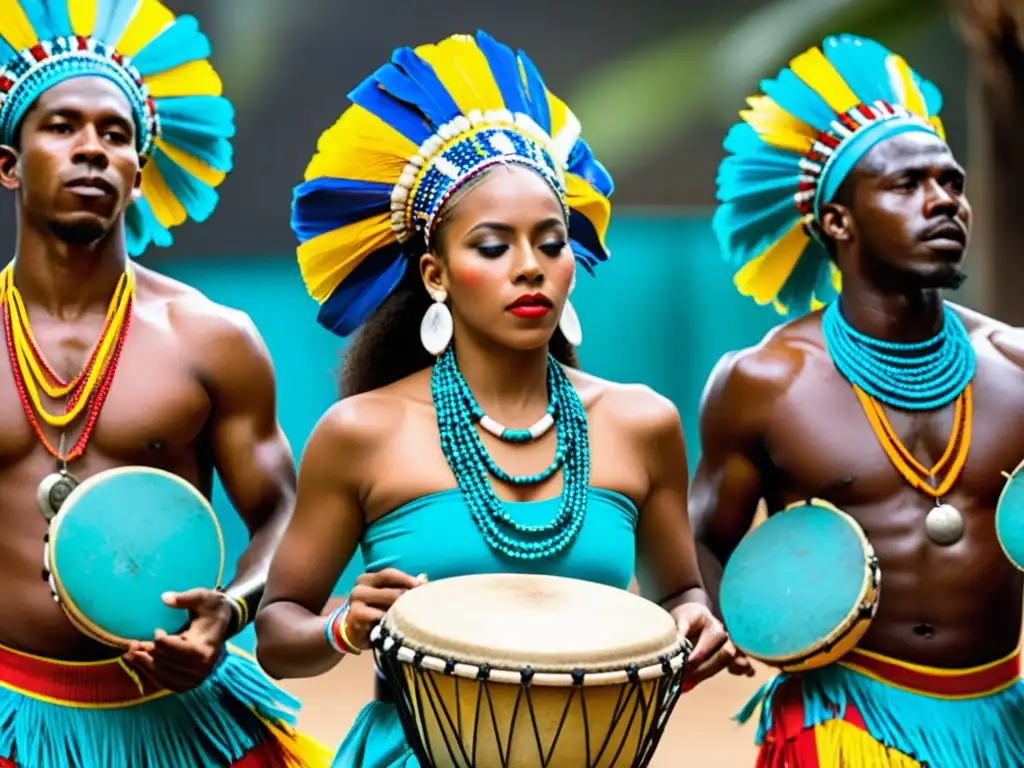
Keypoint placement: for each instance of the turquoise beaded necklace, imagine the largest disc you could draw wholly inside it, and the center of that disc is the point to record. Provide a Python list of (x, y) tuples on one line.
[(916, 376), (457, 414)]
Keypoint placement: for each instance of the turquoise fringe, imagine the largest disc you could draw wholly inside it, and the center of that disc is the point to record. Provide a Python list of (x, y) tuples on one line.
[(984, 732), (212, 726), (376, 740)]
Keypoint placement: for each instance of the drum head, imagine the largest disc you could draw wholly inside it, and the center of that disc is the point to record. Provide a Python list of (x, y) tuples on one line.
[(792, 581), (1010, 518), (549, 623), (122, 539)]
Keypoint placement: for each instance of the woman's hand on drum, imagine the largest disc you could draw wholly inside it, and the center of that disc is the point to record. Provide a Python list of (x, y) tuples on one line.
[(183, 662), (370, 599), (712, 649)]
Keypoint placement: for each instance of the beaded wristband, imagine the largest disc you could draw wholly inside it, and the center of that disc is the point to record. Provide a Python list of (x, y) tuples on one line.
[(240, 607), (335, 632)]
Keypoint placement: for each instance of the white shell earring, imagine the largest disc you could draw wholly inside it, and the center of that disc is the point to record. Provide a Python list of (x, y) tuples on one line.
[(437, 326), (569, 322)]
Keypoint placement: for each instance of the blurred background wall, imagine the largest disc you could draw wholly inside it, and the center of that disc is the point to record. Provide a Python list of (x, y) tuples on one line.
[(655, 84)]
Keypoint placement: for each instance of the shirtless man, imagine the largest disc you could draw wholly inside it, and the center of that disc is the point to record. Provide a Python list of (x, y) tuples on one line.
[(780, 422), (192, 393)]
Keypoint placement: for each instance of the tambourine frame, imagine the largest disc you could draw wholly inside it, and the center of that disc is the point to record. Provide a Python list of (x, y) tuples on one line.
[(71, 609), (1009, 479)]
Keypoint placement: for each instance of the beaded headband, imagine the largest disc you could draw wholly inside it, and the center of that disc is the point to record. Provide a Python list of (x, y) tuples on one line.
[(418, 130), (797, 143), (183, 124)]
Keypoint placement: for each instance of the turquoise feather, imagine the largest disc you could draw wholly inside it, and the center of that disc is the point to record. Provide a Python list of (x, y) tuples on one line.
[(180, 43), (49, 20), (112, 18)]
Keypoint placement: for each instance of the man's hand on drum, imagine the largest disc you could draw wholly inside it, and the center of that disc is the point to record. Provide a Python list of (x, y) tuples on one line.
[(370, 599), (712, 649), (182, 662)]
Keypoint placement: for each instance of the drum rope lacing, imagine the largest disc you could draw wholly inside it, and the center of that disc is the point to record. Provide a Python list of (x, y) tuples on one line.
[(653, 710), (457, 412)]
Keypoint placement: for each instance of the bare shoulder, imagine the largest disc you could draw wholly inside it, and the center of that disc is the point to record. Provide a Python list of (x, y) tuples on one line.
[(215, 332), (748, 381), (633, 407), (988, 334)]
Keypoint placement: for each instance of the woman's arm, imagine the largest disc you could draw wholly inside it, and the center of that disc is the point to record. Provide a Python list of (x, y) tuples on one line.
[(321, 538), (667, 557)]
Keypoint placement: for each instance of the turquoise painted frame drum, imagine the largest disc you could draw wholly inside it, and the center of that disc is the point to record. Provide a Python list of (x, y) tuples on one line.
[(802, 588), (123, 538), (1010, 517)]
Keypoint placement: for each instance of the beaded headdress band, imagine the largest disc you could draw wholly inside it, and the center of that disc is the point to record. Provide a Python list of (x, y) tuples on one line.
[(419, 129), (183, 124), (798, 141)]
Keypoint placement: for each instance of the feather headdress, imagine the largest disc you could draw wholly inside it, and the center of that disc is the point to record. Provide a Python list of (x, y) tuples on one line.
[(798, 140), (419, 128), (183, 124)]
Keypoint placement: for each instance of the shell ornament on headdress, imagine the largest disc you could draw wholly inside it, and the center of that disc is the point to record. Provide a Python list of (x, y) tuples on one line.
[(419, 128), (798, 141), (183, 124)]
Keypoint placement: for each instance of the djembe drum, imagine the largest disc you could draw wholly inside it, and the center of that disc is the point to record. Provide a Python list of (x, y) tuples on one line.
[(123, 538), (802, 588), (521, 671)]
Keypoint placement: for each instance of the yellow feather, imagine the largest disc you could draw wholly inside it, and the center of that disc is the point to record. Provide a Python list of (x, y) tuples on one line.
[(165, 205), (193, 165), (779, 307), (463, 70), (15, 27), (837, 278), (817, 71), (329, 258), (903, 83), (816, 304), (361, 146), (763, 277), (558, 110), (150, 19), (83, 16), (936, 123), (197, 78), (584, 198), (777, 127)]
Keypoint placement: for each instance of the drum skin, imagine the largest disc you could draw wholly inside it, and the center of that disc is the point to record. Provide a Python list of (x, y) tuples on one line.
[(553, 626), (1010, 518), (802, 588), (121, 540)]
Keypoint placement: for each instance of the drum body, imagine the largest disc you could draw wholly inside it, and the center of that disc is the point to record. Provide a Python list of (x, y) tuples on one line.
[(802, 588), (1010, 518), (121, 540), (520, 671)]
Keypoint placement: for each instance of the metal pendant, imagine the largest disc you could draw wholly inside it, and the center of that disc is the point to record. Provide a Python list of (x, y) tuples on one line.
[(944, 524), (52, 492)]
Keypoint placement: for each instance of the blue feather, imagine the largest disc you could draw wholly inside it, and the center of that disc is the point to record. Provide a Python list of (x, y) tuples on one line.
[(537, 93), (413, 81), (142, 228), (6, 51), (201, 126), (399, 116), (198, 197), (583, 163), (797, 291), (325, 204), (505, 69), (49, 19), (745, 232), (112, 17), (862, 64), (179, 43), (799, 99), (932, 97), (363, 291), (582, 232), (585, 257)]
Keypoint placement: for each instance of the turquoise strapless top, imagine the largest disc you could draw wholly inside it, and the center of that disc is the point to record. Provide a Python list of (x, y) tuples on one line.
[(436, 535)]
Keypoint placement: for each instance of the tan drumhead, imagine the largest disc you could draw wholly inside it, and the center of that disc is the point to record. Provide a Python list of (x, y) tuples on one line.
[(549, 623)]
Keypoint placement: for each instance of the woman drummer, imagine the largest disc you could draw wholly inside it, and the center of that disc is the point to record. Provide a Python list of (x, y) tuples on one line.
[(442, 220)]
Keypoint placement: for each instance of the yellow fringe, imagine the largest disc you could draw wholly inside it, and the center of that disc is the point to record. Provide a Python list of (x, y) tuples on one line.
[(301, 750), (844, 745)]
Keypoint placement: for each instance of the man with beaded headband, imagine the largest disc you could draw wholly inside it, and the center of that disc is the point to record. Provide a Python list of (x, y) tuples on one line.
[(444, 216), (842, 205), (113, 130)]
